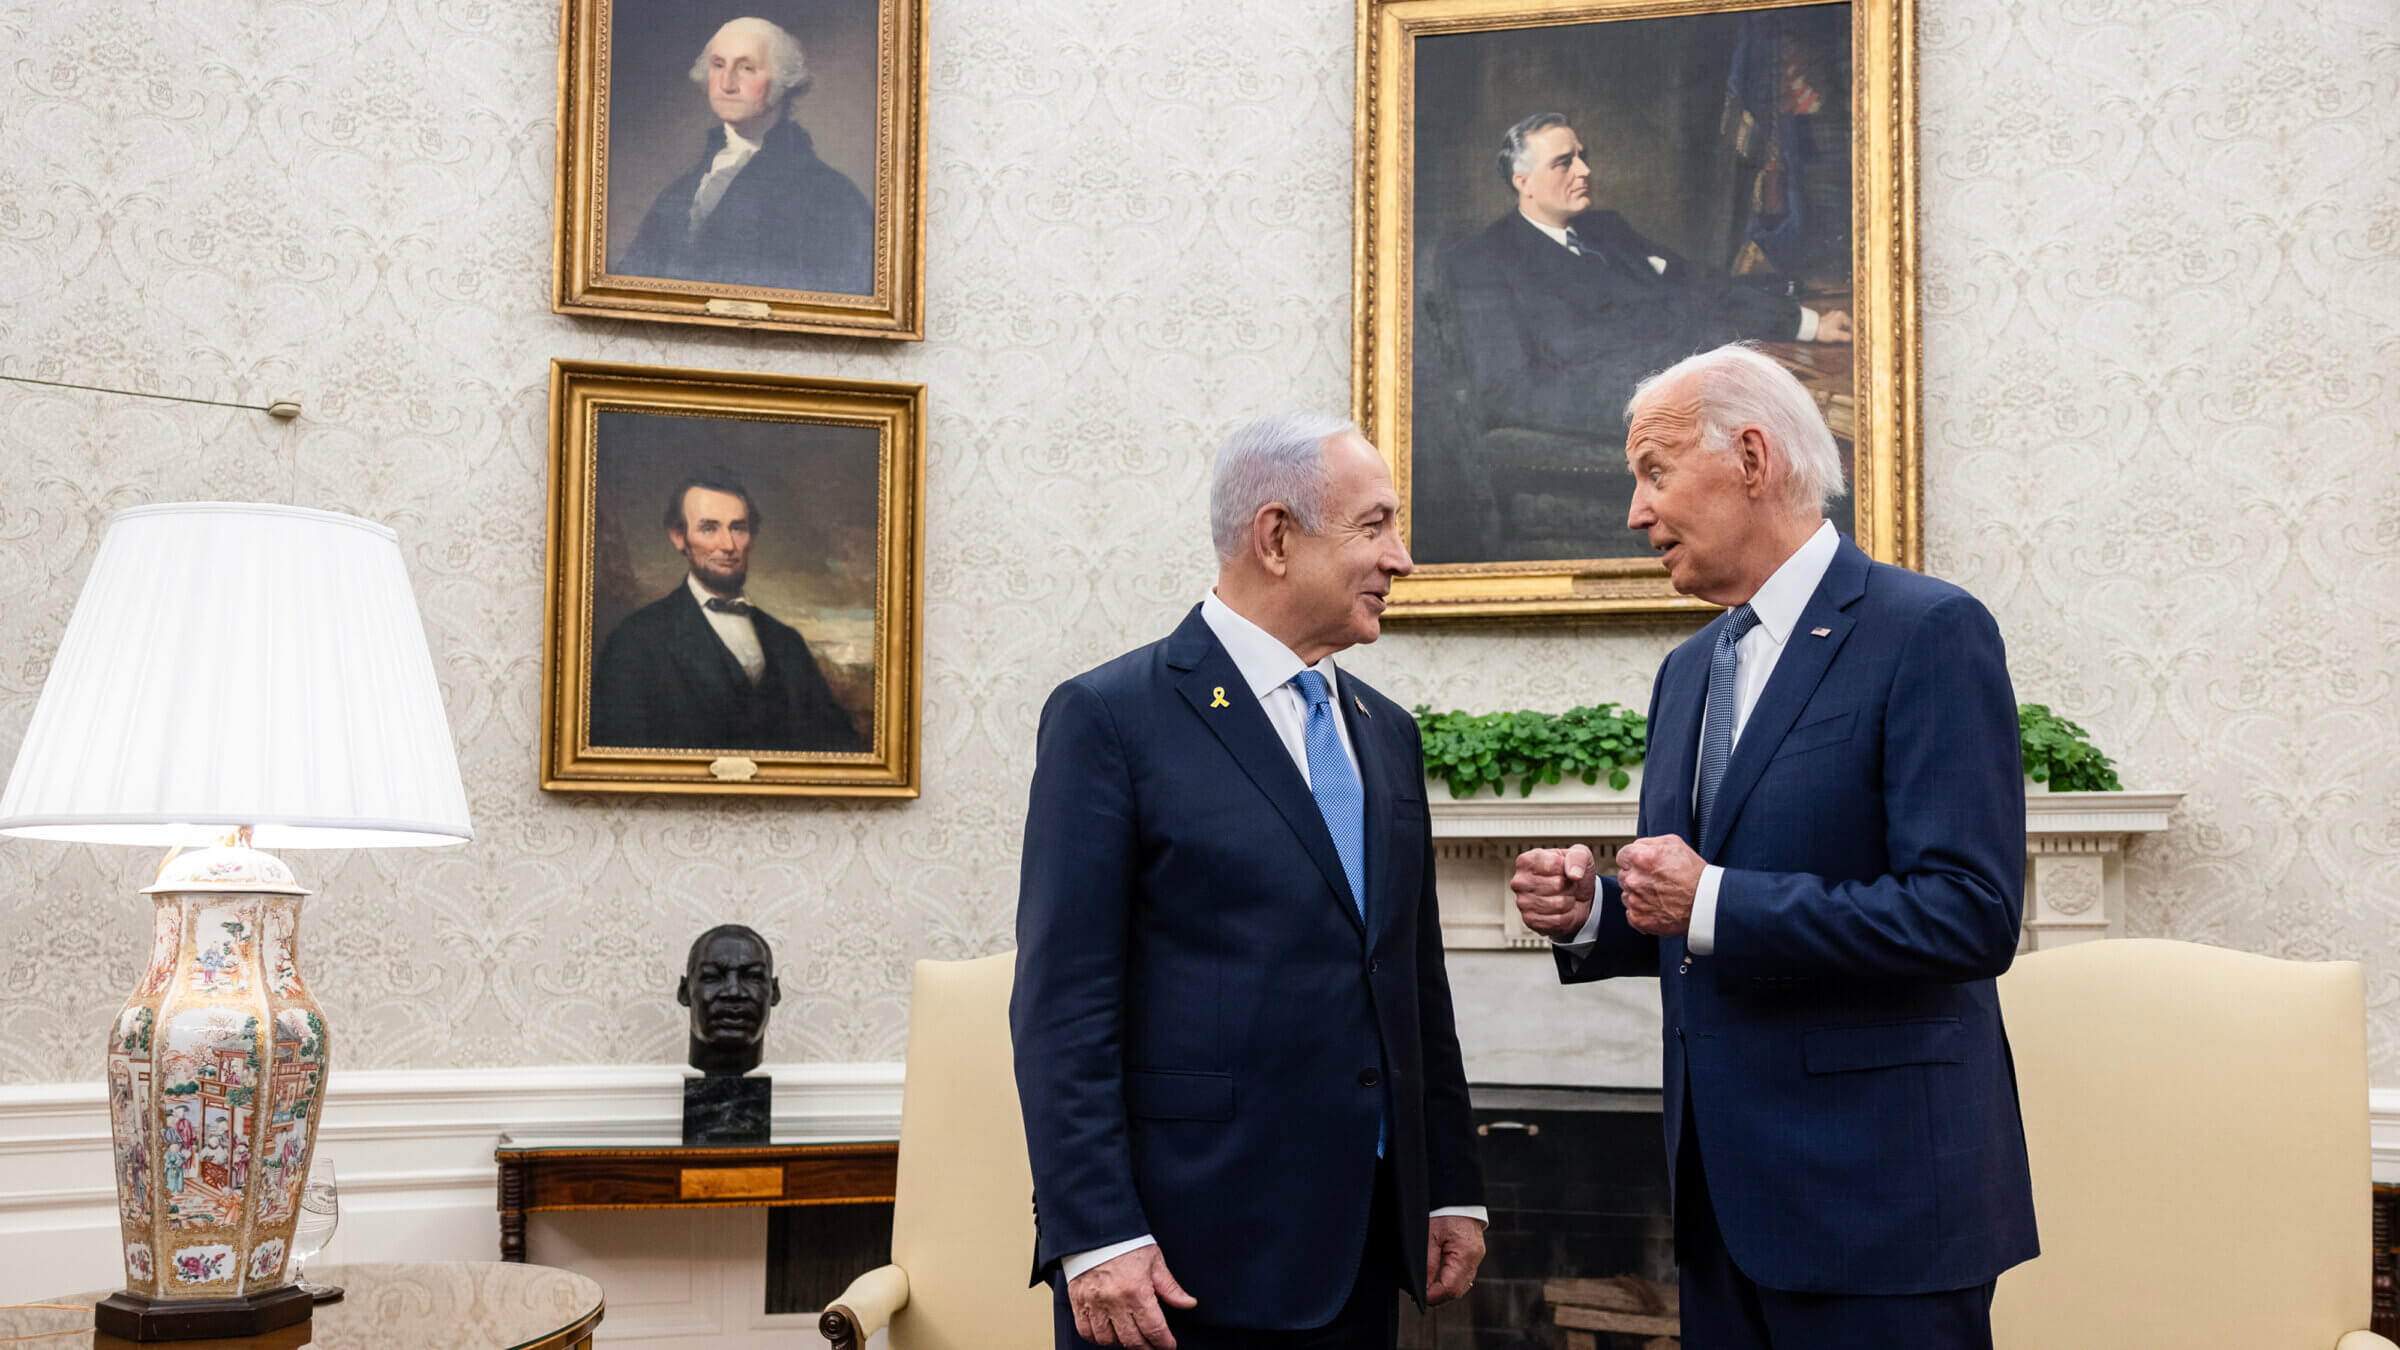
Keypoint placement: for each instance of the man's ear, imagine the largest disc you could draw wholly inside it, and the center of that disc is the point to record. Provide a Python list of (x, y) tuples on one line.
[(774, 992), (676, 538), (1755, 458), (683, 990), (1271, 538)]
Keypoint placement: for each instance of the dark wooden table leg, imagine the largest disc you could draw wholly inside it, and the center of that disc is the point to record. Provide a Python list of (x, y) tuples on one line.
[(512, 1211)]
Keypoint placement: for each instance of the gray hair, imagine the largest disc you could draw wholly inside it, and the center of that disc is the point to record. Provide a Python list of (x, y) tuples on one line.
[(1738, 386), (787, 69), (1512, 145), (1276, 459)]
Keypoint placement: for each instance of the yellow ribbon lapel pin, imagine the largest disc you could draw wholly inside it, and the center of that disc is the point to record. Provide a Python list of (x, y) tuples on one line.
[(1216, 698), (1361, 705)]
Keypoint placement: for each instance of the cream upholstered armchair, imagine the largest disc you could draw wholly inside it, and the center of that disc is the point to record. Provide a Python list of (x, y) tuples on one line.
[(2197, 1121), (962, 1217)]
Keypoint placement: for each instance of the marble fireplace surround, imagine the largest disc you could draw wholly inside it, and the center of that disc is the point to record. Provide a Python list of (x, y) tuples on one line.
[(1517, 1024)]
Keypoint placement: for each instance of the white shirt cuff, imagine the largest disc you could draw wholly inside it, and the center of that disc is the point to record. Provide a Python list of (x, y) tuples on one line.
[(1808, 325), (1082, 1261), (1584, 935), (1701, 939), (1476, 1212)]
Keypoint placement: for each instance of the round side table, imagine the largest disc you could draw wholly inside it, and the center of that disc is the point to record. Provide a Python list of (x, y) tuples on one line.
[(459, 1305)]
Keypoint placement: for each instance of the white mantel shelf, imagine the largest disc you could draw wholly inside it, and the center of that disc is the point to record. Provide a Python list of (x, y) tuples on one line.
[(2074, 843)]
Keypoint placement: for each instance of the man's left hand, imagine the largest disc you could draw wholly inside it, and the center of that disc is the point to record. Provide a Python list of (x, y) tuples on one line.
[(1833, 326), (1659, 875), (1453, 1248)]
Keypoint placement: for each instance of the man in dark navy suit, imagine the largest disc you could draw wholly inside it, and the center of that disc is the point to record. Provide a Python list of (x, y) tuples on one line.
[(702, 668), (759, 208), (1830, 879), (1562, 307), (1242, 1089)]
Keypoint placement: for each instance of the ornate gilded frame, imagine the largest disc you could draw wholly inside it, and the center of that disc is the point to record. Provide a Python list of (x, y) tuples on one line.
[(1886, 484), (579, 392), (581, 283)]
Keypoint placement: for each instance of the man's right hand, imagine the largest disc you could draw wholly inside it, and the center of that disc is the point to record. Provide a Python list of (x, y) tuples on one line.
[(1116, 1302), (1554, 890)]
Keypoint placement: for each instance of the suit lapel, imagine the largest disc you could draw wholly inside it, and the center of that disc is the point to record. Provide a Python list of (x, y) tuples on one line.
[(1212, 685), (1673, 741), (1797, 674), (702, 652)]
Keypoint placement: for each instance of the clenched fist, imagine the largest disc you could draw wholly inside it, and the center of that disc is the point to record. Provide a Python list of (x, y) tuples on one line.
[(1554, 889)]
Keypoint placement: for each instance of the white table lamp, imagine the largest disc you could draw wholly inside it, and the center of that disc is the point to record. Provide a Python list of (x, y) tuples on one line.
[(234, 675)]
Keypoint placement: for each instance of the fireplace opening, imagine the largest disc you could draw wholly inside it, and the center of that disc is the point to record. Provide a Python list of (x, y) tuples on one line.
[(1580, 1254)]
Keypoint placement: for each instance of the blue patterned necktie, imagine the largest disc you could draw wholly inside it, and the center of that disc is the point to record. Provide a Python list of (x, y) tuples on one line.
[(1334, 783), (1716, 730)]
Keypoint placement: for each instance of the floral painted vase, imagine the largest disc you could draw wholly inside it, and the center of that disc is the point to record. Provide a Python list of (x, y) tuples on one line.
[(216, 1071)]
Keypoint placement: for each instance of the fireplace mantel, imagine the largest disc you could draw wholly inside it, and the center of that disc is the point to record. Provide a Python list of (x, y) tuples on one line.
[(2074, 865)]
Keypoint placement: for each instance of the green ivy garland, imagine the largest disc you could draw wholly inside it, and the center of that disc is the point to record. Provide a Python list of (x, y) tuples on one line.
[(1473, 751)]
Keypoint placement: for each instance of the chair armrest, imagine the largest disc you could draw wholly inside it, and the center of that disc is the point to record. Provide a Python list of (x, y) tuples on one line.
[(2364, 1340), (868, 1304)]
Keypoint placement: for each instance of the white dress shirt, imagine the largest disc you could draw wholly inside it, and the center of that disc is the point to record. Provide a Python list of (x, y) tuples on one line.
[(1778, 605), (729, 161), (739, 635), (1558, 235), (1267, 668)]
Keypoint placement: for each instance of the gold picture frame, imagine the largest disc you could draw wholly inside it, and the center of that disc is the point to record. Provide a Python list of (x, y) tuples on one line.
[(813, 688), (820, 230), (1431, 383)]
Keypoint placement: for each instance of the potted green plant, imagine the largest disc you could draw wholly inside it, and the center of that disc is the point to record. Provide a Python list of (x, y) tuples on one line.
[(2060, 755)]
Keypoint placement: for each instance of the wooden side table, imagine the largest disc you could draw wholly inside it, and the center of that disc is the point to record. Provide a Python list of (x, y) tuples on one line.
[(659, 1171)]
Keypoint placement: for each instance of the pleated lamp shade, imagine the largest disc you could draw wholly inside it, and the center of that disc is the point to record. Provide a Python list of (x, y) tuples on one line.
[(237, 664)]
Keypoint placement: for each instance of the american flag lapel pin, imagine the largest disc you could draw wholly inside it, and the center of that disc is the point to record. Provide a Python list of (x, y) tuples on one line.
[(1820, 632), (1361, 705)]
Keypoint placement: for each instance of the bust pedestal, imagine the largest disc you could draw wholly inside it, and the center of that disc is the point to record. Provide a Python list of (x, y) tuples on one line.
[(728, 1109)]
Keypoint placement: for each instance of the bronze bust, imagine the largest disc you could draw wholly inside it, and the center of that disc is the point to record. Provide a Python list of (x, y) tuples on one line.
[(729, 984)]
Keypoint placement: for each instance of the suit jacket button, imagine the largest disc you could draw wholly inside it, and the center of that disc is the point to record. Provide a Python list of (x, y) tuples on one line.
[(1369, 1077), (1374, 967)]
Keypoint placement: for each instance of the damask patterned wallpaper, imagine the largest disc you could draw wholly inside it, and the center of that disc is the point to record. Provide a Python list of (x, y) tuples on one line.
[(2162, 265)]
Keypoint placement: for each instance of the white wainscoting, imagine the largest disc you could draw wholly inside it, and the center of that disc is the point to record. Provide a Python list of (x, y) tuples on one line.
[(413, 1149)]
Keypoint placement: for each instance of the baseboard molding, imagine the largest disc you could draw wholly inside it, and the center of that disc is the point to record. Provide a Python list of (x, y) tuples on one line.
[(413, 1146)]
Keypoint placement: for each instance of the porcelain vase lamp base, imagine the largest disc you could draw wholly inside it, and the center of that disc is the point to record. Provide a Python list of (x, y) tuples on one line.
[(216, 1072)]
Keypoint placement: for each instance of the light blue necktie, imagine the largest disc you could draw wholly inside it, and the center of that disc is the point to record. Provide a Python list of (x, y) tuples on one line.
[(1334, 783), (1716, 729)]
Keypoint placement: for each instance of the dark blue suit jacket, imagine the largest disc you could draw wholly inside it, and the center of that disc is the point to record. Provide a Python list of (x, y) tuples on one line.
[(1206, 1034), (1842, 1046)]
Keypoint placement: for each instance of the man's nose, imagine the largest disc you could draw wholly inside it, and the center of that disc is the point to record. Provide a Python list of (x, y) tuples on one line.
[(1637, 516), (1397, 562)]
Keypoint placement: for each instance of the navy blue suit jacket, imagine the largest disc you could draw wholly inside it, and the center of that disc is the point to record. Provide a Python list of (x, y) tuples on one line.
[(1842, 1046), (1206, 1034)]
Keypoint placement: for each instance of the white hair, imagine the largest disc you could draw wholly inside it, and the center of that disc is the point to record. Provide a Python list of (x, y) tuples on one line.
[(787, 68), (1737, 386), (1278, 459)]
